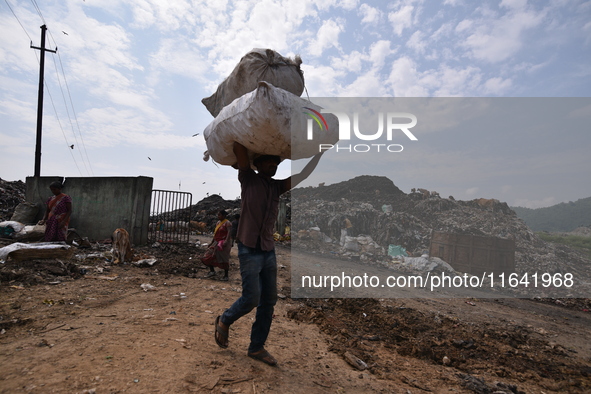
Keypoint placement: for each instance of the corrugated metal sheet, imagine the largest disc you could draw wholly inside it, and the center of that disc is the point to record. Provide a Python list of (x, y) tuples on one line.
[(474, 254)]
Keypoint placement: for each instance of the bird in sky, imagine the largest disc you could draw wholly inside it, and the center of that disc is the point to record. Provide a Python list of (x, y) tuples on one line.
[(195, 135), (149, 158), (72, 146), (65, 33)]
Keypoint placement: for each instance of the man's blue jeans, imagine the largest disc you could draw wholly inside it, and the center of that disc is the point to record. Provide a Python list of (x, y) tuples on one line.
[(258, 269)]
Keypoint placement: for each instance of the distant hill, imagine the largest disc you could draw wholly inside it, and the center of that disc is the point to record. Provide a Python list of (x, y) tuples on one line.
[(561, 217)]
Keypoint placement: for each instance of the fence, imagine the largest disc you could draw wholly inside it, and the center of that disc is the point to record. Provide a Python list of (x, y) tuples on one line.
[(170, 215)]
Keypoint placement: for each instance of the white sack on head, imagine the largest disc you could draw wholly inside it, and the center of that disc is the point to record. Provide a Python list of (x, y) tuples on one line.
[(257, 65), (268, 121)]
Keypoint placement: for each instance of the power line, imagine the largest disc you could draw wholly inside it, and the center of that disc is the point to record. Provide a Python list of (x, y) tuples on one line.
[(36, 6), (73, 112), (38, 11), (68, 114), (62, 129), (44, 27), (75, 116), (19, 22)]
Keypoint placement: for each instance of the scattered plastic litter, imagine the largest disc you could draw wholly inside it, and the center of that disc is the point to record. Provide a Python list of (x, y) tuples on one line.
[(148, 287)]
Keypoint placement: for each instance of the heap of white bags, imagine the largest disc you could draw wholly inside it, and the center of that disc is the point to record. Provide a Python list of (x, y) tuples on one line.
[(259, 106)]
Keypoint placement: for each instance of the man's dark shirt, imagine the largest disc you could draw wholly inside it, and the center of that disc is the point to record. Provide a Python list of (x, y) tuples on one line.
[(259, 208)]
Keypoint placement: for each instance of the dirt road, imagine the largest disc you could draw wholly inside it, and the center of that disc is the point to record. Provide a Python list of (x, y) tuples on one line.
[(103, 333)]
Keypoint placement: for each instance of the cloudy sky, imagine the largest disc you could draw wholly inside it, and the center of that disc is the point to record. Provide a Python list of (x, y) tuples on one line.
[(126, 84)]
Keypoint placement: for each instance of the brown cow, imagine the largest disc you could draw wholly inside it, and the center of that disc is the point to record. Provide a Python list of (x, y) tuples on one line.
[(121, 246)]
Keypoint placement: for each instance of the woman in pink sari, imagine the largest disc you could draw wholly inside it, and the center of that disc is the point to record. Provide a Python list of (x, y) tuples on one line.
[(57, 214), (218, 253)]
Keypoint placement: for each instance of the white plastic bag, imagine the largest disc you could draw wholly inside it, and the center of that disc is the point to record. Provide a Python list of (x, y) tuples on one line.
[(257, 65), (268, 121), (16, 226)]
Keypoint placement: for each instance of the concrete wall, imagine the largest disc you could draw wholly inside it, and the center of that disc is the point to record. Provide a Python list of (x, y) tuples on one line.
[(101, 204)]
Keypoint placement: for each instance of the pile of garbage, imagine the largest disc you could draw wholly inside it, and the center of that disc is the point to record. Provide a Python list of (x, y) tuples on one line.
[(390, 217), (11, 194), (211, 205), (206, 210)]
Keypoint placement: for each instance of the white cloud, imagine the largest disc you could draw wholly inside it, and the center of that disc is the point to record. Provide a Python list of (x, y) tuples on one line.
[(179, 58), (366, 85), (109, 126), (416, 42), (328, 36), (352, 62), (464, 25), (404, 79), (401, 19), (456, 81), (348, 4), (496, 39), (444, 30), (407, 81), (370, 14), (378, 53), (514, 4), (367, 66), (472, 191), (497, 86), (15, 52), (322, 81)]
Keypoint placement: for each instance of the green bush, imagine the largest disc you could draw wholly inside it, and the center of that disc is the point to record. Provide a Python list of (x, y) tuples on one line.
[(581, 243)]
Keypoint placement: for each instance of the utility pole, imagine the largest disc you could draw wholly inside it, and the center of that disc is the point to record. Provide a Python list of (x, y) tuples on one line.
[(40, 99)]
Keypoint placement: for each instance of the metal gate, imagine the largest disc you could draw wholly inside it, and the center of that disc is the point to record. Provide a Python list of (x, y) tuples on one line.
[(170, 216)]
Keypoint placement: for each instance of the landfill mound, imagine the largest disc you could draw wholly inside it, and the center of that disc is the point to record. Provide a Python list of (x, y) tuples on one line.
[(376, 207), (366, 188), (207, 209)]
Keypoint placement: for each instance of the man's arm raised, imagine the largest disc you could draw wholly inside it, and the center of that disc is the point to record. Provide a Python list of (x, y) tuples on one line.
[(241, 156), (296, 179)]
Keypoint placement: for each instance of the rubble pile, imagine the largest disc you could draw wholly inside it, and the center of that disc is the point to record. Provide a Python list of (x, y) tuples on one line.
[(205, 211), (11, 194), (397, 218), (211, 205)]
